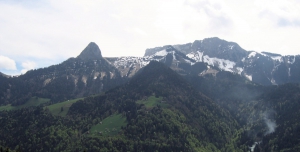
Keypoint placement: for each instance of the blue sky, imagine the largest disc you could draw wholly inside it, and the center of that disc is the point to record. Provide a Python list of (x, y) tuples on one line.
[(39, 33)]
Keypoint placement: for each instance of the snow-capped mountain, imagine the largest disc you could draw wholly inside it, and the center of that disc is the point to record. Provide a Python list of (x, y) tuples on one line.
[(202, 56), (90, 73), (173, 58)]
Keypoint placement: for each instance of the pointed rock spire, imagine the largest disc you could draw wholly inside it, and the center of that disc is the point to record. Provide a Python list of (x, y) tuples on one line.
[(91, 52)]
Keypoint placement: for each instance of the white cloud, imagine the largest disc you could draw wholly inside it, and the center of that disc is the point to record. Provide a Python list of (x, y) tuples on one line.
[(7, 63), (28, 65), (281, 13)]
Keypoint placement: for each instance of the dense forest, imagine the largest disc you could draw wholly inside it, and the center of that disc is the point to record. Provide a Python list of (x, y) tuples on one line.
[(159, 110)]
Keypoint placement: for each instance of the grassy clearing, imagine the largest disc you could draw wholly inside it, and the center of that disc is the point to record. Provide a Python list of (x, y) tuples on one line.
[(62, 108), (34, 101), (109, 126), (152, 101), (7, 107)]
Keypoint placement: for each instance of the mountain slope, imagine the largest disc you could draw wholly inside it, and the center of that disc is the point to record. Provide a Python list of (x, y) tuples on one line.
[(181, 114), (278, 128), (87, 74)]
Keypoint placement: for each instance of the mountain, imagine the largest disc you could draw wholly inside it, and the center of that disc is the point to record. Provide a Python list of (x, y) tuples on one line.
[(180, 112), (168, 55), (82, 75), (214, 55), (89, 73), (264, 68), (156, 110), (201, 96)]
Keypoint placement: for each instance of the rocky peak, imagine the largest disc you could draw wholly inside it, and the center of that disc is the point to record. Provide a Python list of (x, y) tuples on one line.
[(91, 52), (216, 47)]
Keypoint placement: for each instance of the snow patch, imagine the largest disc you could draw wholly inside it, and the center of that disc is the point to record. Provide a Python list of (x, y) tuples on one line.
[(252, 54), (277, 58), (223, 64), (197, 56), (161, 53), (239, 70), (249, 77), (174, 57), (264, 54), (292, 61)]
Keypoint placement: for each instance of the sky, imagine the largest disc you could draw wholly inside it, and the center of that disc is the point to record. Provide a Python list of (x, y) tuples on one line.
[(40, 33)]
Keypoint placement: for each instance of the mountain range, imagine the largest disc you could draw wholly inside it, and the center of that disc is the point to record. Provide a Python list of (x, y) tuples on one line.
[(84, 74), (264, 68), (209, 95)]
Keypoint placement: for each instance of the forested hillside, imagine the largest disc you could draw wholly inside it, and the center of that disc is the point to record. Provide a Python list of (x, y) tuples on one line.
[(268, 114), (159, 110)]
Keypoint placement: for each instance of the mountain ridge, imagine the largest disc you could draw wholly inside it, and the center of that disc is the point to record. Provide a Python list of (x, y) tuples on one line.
[(202, 57), (264, 68), (87, 74)]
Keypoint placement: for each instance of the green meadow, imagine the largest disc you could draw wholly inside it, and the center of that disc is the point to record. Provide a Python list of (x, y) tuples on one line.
[(62, 108), (152, 101), (109, 126), (34, 101)]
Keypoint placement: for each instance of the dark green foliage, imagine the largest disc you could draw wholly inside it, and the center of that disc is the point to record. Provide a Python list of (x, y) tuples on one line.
[(284, 101), (188, 121), (34, 129), (215, 126), (253, 106), (33, 101), (159, 111)]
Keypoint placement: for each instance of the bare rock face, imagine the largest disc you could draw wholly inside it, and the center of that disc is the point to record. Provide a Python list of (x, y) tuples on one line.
[(91, 52)]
